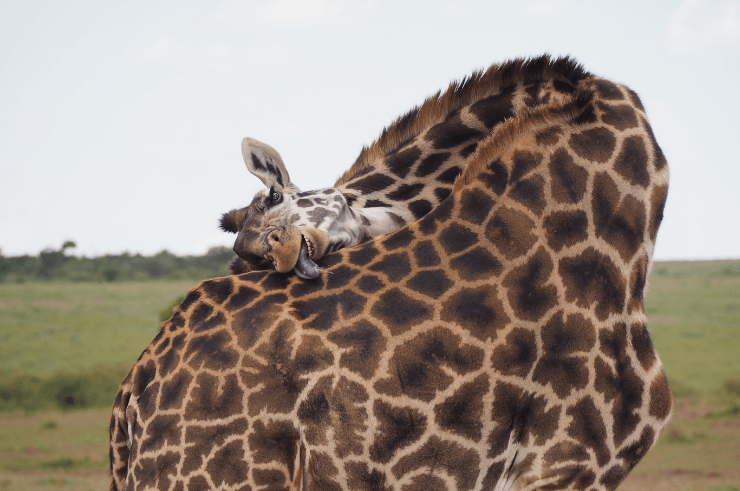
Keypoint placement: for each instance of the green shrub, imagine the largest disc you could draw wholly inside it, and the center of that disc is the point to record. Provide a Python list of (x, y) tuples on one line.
[(732, 384), (93, 387)]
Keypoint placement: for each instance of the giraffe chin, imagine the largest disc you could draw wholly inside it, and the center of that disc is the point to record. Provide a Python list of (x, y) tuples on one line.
[(305, 268)]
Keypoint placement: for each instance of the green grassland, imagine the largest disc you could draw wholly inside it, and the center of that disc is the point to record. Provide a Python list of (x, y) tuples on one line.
[(62, 341), (693, 313), (47, 326)]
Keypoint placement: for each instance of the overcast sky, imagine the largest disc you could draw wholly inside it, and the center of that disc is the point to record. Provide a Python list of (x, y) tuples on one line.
[(121, 122)]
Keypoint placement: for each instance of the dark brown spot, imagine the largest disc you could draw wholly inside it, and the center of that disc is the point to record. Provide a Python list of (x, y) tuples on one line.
[(174, 390), (432, 283), (632, 162), (567, 179), (164, 429), (228, 465), (524, 162), (363, 345), (213, 351), (517, 355), (478, 310), (621, 224), (420, 207), (398, 427), (396, 266), (451, 132), (638, 279), (520, 415), (341, 406), (425, 254), (565, 229), (588, 428), (608, 90), (636, 451), (400, 312), (592, 278), (566, 342), (449, 176), (531, 193), (371, 183), (621, 116), (360, 478), (457, 238), (461, 412), (659, 160), (661, 399), (218, 290), (475, 205), (529, 293), (431, 163), (243, 297), (363, 255), (399, 239), (476, 264), (494, 109), (496, 178), (596, 145), (400, 162), (657, 205), (511, 232)]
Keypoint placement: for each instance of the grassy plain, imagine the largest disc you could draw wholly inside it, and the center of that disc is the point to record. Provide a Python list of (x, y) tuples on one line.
[(693, 313), (694, 320), (48, 326)]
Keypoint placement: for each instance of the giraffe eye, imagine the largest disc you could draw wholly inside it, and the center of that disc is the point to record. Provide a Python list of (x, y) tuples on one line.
[(275, 196)]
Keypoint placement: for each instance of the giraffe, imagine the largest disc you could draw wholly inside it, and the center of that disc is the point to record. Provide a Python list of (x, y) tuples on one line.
[(499, 342), (407, 171)]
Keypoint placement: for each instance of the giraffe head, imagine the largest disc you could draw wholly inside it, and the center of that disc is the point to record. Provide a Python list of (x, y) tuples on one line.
[(283, 226)]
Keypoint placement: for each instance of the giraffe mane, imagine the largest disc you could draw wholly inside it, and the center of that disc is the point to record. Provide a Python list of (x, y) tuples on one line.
[(528, 121), (460, 94)]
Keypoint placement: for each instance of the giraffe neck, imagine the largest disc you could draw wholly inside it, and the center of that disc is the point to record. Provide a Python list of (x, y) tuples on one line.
[(412, 168), (579, 188)]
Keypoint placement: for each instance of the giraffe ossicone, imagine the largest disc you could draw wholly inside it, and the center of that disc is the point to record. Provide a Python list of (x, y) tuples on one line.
[(497, 340)]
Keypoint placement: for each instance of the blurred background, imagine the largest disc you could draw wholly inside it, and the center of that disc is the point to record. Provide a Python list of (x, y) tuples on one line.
[(120, 131)]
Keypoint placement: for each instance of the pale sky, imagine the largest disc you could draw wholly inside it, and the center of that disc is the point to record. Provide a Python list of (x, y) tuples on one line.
[(121, 122)]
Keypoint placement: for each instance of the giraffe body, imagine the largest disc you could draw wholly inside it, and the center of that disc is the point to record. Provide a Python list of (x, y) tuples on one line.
[(498, 342)]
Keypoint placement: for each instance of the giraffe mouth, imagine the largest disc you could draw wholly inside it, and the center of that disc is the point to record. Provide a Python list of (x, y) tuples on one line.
[(305, 267)]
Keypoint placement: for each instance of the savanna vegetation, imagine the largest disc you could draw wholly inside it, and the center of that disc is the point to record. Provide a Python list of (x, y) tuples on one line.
[(58, 264), (65, 345)]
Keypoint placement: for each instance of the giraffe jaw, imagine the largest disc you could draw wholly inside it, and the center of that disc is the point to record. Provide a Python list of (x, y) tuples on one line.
[(305, 268)]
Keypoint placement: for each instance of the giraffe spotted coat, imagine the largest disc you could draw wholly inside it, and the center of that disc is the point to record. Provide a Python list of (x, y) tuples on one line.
[(497, 343)]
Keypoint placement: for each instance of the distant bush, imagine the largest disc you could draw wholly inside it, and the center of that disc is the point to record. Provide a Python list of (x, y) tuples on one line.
[(65, 390), (57, 265), (732, 384)]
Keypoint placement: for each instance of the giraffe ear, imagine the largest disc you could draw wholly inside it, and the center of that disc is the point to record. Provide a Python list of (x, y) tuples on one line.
[(265, 162), (233, 220)]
